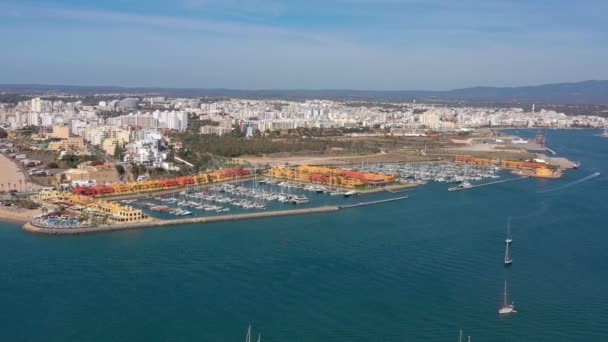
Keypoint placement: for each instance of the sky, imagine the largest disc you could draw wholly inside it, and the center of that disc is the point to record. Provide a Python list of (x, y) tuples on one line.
[(303, 44)]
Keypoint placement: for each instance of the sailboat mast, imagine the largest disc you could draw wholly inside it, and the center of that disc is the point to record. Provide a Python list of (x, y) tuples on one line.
[(505, 294), (248, 338), (460, 336)]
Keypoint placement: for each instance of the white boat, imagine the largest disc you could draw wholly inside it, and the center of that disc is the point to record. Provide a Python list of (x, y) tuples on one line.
[(248, 337), (299, 200), (508, 259), (351, 193), (509, 239), (463, 185), (506, 309)]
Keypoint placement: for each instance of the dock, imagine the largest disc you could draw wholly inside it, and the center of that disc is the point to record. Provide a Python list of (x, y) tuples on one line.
[(491, 183)]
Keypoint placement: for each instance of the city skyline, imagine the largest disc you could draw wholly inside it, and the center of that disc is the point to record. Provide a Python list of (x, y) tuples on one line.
[(336, 44)]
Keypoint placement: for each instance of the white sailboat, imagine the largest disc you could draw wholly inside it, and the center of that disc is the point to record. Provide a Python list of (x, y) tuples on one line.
[(460, 337), (508, 259), (509, 239), (605, 134), (248, 337), (506, 308)]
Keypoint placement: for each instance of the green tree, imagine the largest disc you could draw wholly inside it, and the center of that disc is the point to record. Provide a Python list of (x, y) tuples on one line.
[(120, 169)]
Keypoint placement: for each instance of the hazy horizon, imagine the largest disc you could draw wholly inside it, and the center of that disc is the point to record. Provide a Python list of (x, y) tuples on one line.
[(318, 45)]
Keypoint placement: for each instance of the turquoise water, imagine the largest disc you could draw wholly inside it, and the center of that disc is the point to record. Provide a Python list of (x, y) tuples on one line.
[(415, 270)]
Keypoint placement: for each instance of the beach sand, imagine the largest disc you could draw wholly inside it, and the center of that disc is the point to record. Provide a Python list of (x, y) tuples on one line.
[(24, 216), (10, 173)]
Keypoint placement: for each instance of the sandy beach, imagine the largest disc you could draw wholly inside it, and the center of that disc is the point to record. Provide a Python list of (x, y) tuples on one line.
[(11, 174), (24, 216)]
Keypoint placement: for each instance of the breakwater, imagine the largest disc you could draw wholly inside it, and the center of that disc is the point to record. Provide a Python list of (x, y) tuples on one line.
[(490, 183), (30, 227), (361, 204)]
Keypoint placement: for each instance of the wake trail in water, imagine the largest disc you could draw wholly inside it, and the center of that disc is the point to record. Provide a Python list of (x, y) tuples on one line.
[(538, 212), (565, 186)]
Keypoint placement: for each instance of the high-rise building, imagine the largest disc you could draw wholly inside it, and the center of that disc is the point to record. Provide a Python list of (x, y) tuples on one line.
[(36, 105)]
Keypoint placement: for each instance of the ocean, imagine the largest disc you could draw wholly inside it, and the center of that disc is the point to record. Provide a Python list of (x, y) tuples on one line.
[(413, 270)]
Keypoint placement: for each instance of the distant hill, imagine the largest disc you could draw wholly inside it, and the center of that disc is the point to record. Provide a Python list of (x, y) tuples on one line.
[(586, 92)]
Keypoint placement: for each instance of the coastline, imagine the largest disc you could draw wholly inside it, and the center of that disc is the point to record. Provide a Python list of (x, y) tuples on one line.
[(21, 217)]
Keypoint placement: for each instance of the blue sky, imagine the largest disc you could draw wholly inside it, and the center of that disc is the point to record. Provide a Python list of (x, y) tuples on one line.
[(303, 44)]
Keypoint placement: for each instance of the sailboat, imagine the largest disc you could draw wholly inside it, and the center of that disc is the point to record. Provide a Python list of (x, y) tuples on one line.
[(605, 134), (506, 308), (248, 337), (508, 259), (509, 239)]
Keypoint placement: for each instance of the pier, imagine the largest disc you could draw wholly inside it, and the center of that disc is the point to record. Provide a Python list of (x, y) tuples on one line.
[(490, 183), (361, 204)]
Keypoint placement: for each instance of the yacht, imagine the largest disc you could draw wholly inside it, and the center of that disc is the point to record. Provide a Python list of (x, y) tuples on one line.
[(505, 308), (299, 200), (462, 185), (351, 193)]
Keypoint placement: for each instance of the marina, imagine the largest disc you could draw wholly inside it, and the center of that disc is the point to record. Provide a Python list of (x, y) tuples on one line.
[(68, 230), (429, 261)]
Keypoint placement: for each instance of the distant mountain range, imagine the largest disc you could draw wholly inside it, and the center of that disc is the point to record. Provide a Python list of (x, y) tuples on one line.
[(586, 92)]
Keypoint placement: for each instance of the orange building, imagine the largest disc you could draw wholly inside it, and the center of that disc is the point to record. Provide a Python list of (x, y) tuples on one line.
[(333, 176)]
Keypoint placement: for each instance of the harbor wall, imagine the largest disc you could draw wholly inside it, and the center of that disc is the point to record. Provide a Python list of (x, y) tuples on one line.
[(167, 223), (29, 227)]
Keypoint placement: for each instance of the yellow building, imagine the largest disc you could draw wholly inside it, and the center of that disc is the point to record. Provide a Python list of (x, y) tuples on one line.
[(109, 145), (118, 212), (96, 135), (115, 212), (60, 132), (74, 145)]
